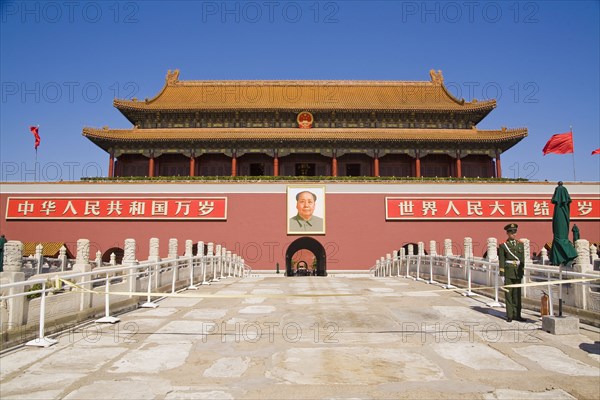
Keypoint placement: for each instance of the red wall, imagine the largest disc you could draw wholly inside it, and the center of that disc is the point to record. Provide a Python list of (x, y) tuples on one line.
[(357, 231)]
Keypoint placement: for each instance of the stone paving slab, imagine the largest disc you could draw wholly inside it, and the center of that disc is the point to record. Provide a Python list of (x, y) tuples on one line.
[(379, 338)]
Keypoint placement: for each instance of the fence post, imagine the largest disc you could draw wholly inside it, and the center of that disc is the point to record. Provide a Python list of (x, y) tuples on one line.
[(550, 301), (149, 303), (107, 319), (42, 341)]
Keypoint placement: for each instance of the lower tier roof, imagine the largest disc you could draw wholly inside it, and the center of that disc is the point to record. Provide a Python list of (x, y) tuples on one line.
[(501, 139)]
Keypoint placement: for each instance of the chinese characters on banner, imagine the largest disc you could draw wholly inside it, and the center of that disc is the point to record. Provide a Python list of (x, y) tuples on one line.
[(439, 208), (130, 208)]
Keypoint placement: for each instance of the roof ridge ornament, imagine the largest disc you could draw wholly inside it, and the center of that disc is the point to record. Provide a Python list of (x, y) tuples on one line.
[(436, 77), (172, 77)]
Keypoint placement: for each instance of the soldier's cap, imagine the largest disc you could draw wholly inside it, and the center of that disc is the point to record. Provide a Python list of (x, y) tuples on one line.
[(511, 228)]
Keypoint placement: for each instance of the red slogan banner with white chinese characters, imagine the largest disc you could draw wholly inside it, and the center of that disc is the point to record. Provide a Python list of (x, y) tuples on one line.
[(105, 208), (440, 208)]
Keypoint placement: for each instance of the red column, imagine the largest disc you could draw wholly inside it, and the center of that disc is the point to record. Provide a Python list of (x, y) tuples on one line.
[(376, 165), (276, 165), (458, 166), (193, 165), (334, 169), (111, 165), (233, 165), (498, 165), (151, 166), (418, 165)]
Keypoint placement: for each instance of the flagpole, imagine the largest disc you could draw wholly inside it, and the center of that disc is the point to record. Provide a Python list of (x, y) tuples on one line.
[(573, 153), (35, 164)]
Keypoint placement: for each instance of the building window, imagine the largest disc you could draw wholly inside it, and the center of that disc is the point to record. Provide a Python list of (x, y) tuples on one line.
[(353, 170), (305, 169), (257, 169)]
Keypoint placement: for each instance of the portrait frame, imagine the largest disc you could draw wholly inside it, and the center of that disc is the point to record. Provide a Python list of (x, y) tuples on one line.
[(297, 228)]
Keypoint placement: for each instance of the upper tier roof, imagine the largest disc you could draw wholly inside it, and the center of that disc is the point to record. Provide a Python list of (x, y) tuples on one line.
[(107, 138), (179, 95)]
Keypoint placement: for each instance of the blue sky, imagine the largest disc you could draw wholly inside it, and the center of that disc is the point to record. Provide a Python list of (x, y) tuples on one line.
[(62, 64)]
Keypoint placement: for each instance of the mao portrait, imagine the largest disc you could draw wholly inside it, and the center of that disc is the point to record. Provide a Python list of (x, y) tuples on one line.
[(306, 209)]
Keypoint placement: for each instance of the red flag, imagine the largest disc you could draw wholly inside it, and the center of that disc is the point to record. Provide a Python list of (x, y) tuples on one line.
[(35, 131), (597, 151), (561, 143)]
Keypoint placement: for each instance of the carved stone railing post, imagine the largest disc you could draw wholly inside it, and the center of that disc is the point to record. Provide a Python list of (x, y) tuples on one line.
[(62, 257), (13, 265), (527, 250), (432, 248), (447, 247), (211, 260), (544, 256), (582, 264), (223, 261), (492, 250), (229, 262), (129, 253), (129, 259), (395, 263), (154, 250), (98, 259), (174, 254), (188, 248), (39, 258), (113, 259), (203, 263), (82, 264), (410, 250), (593, 253), (468, 248), (402, 258), (173, 248), (388, 264), (421, 248)]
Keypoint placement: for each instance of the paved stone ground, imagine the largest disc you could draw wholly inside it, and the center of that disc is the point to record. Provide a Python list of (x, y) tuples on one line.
[(380, 339)]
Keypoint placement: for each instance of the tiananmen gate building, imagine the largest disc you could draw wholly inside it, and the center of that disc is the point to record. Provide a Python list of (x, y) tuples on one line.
[(314, 130)]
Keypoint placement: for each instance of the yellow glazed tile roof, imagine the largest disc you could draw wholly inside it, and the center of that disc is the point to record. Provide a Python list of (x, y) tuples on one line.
[(50, 249), (297, 134), (304, 95)]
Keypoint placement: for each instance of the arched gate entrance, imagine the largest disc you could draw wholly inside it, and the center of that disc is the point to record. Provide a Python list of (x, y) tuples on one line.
[(311, 245)]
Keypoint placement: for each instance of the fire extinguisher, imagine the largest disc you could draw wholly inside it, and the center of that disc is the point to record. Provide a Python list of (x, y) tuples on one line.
[(545, 308)]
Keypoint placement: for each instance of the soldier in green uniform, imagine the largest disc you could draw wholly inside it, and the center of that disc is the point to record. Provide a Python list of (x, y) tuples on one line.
[(511, 255)]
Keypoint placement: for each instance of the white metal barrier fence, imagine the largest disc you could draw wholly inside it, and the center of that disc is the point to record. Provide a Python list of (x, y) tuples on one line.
[(113, 284), (451, 272)]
